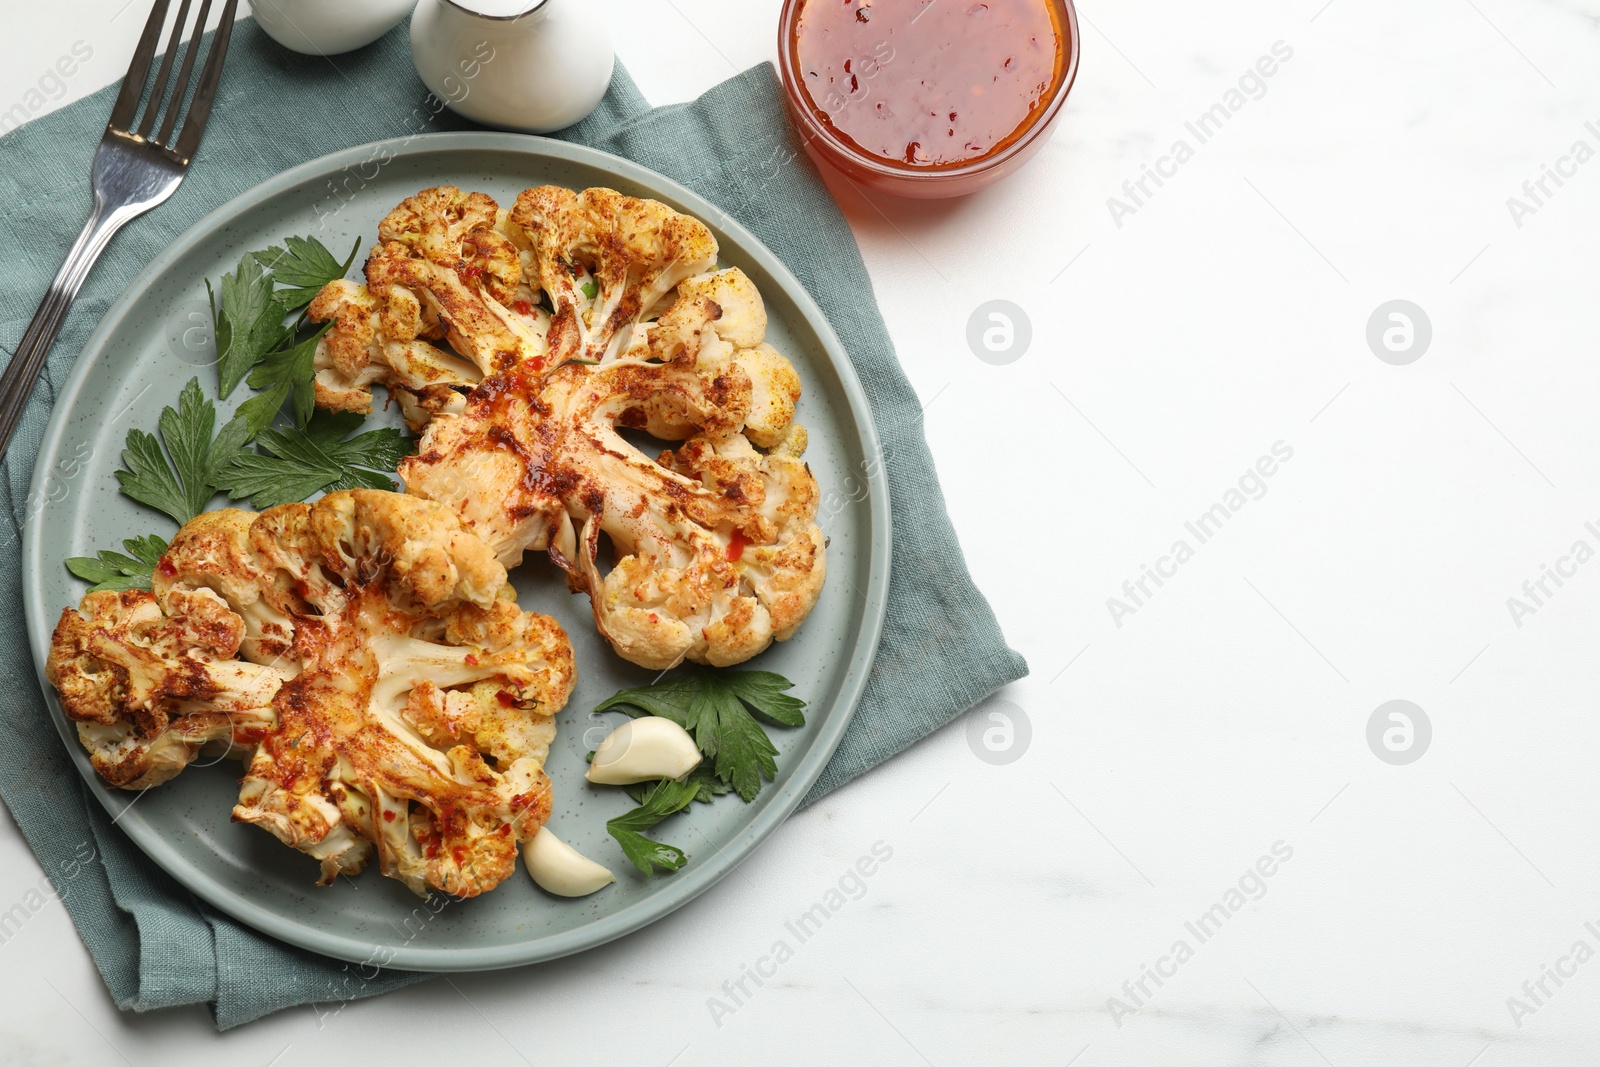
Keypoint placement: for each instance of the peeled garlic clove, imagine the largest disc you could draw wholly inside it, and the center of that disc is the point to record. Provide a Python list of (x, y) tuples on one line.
[(557, 867), (642, 750)]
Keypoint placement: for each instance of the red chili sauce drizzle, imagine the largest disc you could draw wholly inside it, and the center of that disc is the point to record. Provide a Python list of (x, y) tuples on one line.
[(928, 83)]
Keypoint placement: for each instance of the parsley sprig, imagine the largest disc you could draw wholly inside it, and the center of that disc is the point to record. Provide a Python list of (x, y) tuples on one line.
[(664, 798), (248, 323), (289, 373), (302, 267), (117, 572), (181, 479), (296, 461), (321, 457), (722, 710), (252, 337), (190, 459)]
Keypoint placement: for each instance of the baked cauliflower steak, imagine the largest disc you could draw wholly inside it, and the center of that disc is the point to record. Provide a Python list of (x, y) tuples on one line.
[(367, 656), (533, 348)]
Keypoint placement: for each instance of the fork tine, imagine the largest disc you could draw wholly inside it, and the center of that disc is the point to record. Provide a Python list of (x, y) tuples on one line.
[(133, 84), (157, 94), (194, 123), (182, 88)]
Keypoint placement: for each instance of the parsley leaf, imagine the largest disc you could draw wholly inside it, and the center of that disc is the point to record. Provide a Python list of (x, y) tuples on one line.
[(662, 799), (289, 372), (248, 323), (320, 456), (708, 786), (181, 480), (117, 572), (250, 305), (715, 707), (148, 479), (303, 266), (259, 412)]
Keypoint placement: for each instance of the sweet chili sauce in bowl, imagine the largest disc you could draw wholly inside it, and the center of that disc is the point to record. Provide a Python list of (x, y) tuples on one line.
[(927, 98)]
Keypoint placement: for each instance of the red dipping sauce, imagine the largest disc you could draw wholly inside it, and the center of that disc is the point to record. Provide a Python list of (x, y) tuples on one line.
[(931, 87)]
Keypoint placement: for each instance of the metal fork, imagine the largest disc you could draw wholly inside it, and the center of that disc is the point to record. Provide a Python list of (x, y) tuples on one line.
[(134, 170)]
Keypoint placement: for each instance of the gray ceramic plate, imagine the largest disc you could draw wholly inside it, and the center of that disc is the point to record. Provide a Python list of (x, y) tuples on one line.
[(156, 337)]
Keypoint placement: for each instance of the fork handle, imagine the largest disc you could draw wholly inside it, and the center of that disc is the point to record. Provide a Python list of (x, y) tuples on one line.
[(16, 385)]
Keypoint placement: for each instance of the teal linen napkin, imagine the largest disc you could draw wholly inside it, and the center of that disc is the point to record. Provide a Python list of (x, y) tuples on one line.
[(156, 945)]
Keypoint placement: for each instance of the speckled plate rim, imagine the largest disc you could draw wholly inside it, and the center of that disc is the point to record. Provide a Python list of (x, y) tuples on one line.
[(686, 885)]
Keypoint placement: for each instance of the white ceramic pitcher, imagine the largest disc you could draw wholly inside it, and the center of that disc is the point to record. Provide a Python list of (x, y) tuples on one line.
[(527, 65)]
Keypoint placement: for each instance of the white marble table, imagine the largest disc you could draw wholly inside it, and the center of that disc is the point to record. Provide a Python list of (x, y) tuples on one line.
[(1176, 746)]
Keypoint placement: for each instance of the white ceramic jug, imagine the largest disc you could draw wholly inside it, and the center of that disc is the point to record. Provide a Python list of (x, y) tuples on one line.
[(527, 65)]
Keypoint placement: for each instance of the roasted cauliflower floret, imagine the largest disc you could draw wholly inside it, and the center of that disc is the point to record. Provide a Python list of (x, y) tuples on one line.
[(493, 335), (743, 322), (606, 261), (211, 558), (774, 391), (422, 552), (368, 656), (486, 466), (444, 247), (375, 340), (441, 269), (502, 724), (774, 385), (457, 230), (149, 690)]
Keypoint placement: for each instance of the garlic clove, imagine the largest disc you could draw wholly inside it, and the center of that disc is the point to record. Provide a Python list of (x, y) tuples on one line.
[(557, 867), (642, 750)]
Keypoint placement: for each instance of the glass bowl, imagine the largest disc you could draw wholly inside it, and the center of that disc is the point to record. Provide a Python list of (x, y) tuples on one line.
[(825, 144)]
